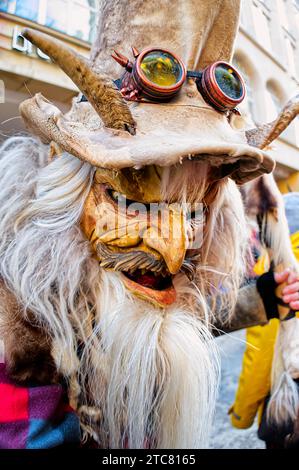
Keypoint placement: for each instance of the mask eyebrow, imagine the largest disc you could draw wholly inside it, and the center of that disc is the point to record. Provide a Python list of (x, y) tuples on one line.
[(129, 201), (142, 185)]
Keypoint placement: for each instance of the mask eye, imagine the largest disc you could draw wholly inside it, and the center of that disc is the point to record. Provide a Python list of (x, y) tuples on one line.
[(117, 197)]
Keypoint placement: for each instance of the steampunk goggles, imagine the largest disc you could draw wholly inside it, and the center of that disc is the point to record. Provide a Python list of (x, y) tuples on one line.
[(158, 75)]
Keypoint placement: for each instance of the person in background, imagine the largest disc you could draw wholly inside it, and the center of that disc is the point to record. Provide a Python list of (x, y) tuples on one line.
[(253, 394)]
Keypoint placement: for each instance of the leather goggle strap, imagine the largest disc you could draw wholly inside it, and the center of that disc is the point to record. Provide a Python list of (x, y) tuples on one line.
[(193, 74)]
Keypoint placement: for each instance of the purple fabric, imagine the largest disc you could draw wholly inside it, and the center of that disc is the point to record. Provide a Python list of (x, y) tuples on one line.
[(43, 401), (35, 417)]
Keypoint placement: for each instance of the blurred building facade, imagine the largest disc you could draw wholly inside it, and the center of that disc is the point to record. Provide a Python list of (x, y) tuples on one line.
[(266, 53), (25, 70)]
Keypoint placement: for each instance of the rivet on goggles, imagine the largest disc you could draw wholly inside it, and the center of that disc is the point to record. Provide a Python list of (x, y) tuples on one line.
[(158, 75)]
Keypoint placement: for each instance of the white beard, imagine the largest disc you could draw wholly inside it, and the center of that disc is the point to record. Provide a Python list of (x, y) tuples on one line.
[(154, 372)]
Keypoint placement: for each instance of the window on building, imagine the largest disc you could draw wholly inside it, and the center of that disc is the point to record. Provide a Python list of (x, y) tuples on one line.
[(26, 9), (76, 18), (5, 5), (243, 16), (261, 21), (266, 3), (296, 11), (274, 99), (241, 65), (52, 19), (282, 12), (291, 54), (85, 15)]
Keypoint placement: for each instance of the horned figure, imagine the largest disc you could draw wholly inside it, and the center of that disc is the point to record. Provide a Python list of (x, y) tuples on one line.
[(94, 290)]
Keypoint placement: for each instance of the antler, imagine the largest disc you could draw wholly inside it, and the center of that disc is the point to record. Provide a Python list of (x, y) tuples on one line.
[(263, 135), (98, 89)]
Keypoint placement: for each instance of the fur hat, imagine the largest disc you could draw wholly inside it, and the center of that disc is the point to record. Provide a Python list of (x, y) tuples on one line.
[(109, 132)]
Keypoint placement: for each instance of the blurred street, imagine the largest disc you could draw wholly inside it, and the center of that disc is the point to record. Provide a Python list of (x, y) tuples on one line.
[(224, 436)]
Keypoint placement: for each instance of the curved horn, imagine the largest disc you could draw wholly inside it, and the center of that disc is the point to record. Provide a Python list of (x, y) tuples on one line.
[(263, 135), (98, 89)]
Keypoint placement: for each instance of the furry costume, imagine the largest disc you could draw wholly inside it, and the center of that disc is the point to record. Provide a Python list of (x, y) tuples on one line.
[(141, 363)]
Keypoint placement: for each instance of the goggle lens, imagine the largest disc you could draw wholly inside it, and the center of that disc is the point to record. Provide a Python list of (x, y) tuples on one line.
[(161, 68), (228, 81)]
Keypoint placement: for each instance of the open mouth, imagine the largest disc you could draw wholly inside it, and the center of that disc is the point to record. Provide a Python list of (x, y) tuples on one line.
[(150, 279), (154, 287)]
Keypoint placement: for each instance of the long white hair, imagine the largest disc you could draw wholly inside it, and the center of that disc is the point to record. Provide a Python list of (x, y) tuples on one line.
[(148, 375)]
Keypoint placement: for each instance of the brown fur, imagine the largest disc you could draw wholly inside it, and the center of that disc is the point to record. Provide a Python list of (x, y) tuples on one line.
[(27, 347), (259, 199)]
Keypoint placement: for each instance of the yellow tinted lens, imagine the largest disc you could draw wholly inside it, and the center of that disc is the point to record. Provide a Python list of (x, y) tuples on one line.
[(161, 68)]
